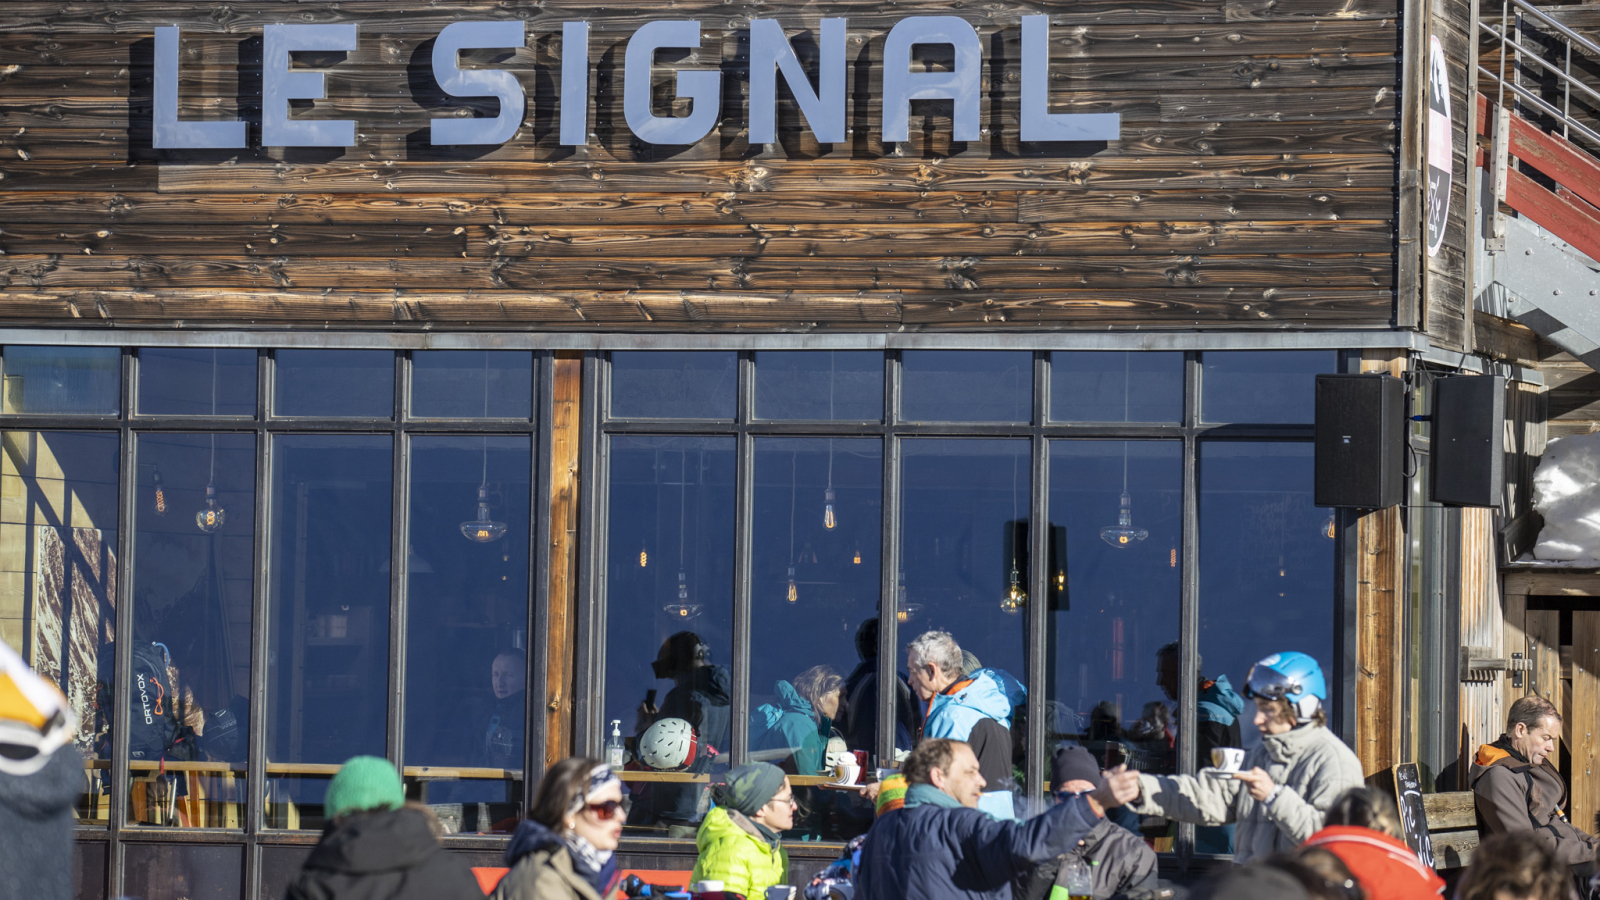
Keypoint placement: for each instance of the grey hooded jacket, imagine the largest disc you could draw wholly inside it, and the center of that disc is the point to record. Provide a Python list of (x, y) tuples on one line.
[(1310, 765)]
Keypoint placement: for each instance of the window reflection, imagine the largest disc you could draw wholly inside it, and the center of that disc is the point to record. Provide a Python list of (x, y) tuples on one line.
[(669, 602), (62, 380), (1116, 386), (965, 526), (833, 385), (58, 539), (814, 639), (1264, 386), (328, 622), (180, 382), (966, 386), (472, 384), (1113, 606), (466, 630), (183, 872), (674, 384), (1266, 563), (194, 540), (334, 383)]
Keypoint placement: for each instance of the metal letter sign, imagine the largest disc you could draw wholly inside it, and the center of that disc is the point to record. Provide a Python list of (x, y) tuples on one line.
[(960, 84), (1038, 123), (167, 130), (280, 84), (824, 109), (1440, 139), (459, 82), (702, 89)]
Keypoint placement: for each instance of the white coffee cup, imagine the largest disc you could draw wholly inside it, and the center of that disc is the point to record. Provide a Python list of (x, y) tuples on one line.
[(705, 887), (1227, 759), (846, 773)]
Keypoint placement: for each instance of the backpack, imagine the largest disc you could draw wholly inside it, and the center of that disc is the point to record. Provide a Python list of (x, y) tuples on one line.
[(154, 729)]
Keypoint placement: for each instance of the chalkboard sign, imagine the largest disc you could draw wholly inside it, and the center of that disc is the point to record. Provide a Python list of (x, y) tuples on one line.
[(1413, 818)]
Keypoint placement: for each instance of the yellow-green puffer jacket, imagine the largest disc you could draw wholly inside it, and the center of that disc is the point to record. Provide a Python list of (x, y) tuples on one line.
[(733, 852)]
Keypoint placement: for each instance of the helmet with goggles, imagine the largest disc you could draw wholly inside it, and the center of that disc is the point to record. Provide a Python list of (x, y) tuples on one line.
[(1290, 676), (35, 719)]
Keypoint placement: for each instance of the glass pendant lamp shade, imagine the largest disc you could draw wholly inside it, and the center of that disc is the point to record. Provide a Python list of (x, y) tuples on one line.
[(682, 609), (211, 518), (483, 529), (829, 520), (793, 594), (1015, 597), (1123, 533)]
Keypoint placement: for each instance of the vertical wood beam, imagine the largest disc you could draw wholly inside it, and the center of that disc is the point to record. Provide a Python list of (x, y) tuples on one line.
[(1380, 614), (1516, 641), (565, 441), (1582, 727), (1543, 630)]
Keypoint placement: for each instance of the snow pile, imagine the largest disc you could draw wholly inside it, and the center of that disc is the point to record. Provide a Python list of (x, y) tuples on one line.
[(1566, 491)]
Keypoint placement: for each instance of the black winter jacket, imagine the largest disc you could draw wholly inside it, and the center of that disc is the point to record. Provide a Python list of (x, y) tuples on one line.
[(389, 855), (36, 828), (934, 853)]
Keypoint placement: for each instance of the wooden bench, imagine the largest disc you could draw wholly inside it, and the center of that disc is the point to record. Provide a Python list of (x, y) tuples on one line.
[(1452, 828)]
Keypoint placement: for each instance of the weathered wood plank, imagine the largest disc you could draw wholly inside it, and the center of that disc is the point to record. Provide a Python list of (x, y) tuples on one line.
[(561, 649), (1582, 728), (632, 310), (961, 273), (1543, 627), (1332, 204), (1553, 584), (1374, 170), (1450, 811)]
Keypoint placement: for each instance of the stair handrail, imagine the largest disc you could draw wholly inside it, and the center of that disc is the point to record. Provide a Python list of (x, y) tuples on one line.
[(1563, 74)]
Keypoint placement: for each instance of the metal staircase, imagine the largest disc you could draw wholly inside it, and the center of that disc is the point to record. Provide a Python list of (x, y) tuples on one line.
[(1539, 108)]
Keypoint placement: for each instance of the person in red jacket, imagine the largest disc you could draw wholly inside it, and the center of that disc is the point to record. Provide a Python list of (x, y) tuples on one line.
[(1363, 830)]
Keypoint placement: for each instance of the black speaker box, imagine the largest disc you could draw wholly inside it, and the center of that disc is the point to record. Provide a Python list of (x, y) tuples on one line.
[(1469, 413), (1361, 441)]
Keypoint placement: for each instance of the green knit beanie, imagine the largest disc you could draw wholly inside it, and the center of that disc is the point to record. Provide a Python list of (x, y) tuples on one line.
[(364, 782)]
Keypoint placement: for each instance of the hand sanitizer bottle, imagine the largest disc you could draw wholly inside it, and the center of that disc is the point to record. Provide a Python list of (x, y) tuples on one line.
[(614, 752)]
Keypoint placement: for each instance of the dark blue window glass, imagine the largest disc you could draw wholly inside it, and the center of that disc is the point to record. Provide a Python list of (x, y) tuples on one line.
[(673, 384), (966, 386), (328, 619), (1266, 561), (203, 382), (194, 541), (832, 385), (62, 380), (1116, 386), (467, 627), (334, 383), (471, 384), (1262, 386), (668, 624)]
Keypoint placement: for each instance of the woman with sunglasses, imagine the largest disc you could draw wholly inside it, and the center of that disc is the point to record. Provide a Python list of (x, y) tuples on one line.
[(1281, 795), (739, 839), (563, 850)]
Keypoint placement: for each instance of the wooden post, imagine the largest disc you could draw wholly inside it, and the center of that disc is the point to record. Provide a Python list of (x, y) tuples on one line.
[(1581, 726), (565, 441), (1543, 628), (1380, 604), (1516, 641)]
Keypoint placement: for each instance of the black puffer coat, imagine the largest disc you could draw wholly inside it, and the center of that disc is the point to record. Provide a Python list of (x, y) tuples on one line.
[(389, 855)]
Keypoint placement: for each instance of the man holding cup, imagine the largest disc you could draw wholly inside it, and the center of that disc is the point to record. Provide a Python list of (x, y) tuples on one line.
[(1279, 792)]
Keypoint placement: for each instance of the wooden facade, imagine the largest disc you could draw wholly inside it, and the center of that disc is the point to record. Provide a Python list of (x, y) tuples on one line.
[(1254, 186)]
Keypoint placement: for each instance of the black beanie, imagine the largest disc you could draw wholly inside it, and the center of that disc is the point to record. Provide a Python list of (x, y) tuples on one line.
[(1075, 764)]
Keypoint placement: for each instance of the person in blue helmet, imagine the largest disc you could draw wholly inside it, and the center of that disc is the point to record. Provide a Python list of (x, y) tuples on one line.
[(970, 704), (1280, 796)]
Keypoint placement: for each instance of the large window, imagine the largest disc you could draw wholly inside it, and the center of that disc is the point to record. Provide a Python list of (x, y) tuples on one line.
[(780, 524)]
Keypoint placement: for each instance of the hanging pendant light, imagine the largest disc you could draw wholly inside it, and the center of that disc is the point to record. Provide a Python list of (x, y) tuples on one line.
[(161, 495), (830, 520), (682, 608), (793, 593), (644, 557), (1328, 528), (904, 611), (857, 559), (210, 519), (1124, 533), (1015, 598), (483, 529)]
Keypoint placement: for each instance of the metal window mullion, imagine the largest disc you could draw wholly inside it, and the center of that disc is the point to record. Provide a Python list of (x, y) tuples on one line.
[(1037, 622), (398, 564), (537, 650), (1189, 599), (889, 568), (116, 808), (744, 499), (255, 729)]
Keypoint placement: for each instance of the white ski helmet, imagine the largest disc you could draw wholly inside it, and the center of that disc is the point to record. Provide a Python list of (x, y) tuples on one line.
[(669, 744)]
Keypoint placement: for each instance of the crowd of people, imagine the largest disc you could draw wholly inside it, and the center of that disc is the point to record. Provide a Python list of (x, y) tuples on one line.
[(944, 824)]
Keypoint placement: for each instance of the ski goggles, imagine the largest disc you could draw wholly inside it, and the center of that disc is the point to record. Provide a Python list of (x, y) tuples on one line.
[(1269, 684)]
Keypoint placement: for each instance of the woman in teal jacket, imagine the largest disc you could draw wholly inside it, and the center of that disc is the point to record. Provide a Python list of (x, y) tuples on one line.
[(801, 720)]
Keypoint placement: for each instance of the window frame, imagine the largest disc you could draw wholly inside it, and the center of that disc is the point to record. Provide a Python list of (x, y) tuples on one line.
[(745, 427)]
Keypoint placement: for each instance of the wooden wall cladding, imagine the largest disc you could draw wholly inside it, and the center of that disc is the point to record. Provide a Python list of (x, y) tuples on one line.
[(1253, 187)]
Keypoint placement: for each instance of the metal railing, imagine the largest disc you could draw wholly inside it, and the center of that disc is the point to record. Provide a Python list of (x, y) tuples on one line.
[(1519, 23)]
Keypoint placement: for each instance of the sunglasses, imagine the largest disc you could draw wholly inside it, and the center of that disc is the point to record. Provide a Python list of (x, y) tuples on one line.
[(608, 810)]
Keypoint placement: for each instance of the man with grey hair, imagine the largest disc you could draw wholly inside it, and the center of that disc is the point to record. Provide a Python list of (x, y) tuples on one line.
[(974, 707), (1516, 788)]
